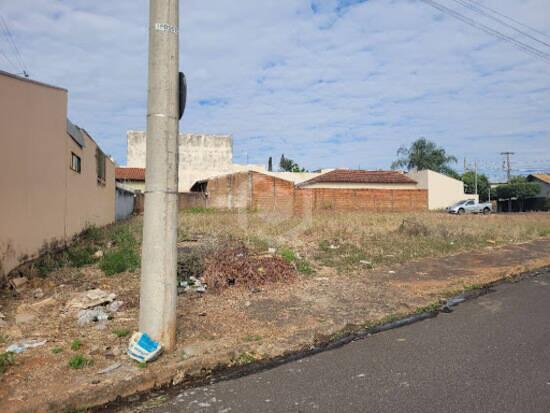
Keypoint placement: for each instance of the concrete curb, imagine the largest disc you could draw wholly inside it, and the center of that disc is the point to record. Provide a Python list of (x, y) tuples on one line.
[(220, 368)]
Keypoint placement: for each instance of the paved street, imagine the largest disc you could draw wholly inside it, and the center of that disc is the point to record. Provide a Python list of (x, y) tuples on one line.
[(492, 354)]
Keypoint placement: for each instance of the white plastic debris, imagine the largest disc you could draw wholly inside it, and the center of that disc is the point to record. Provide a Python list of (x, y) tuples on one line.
[(24, 345), (143, 348), (90, 315)]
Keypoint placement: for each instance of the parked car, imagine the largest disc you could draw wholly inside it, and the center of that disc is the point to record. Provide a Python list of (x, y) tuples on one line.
[(470, 206)]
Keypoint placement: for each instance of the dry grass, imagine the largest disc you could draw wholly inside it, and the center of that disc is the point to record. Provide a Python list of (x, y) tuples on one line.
[(352, 240)]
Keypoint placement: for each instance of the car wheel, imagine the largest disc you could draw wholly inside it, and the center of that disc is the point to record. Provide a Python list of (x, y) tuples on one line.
[(486, 211), (461, 211)]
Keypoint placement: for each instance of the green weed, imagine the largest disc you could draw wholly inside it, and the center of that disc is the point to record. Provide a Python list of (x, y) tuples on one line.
[(125, 254), (57, 350), (79, 361), (80, 256), (121, 332), (6, 360), (76, 344)]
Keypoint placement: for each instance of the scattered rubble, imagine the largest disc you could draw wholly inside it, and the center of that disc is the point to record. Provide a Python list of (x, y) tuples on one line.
[(19, 283), (91, 299), (109, 369), (92, 315)]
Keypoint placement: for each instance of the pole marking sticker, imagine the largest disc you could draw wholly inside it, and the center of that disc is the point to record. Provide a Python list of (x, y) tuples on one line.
[(165, 27)]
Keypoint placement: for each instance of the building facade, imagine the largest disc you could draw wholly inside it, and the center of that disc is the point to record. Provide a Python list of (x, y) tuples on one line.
[(443, 190), (54, 178), (200, 156)]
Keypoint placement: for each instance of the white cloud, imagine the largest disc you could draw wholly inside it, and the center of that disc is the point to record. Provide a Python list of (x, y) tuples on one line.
[(326, 85)]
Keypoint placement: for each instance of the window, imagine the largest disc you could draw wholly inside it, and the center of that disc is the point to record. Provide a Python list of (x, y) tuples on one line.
[(76, 164), (100, 158)]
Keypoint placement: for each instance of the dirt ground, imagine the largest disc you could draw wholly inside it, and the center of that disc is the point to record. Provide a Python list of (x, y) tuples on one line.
[(233, 327)]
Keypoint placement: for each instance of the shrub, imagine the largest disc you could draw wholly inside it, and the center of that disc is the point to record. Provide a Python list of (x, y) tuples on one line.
[(80, 256), (91, 233)]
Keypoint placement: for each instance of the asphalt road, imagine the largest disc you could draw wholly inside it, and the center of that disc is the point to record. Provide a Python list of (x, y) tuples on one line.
[(491, 354)]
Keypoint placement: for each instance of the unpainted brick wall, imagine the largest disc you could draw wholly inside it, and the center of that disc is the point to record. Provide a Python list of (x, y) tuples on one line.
[(267, 193)]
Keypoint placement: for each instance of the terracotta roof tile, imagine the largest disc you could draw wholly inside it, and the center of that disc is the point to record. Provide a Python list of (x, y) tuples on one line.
[(542, 177), (361, 177), (130, 174)]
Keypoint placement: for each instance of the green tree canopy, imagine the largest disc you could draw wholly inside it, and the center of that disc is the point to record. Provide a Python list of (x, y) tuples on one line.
[(518, 188), (270, 164), (482, 185), (424, 154), (288, 165)]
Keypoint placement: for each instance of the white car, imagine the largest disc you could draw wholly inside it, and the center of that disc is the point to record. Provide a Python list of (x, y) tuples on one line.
[(470, 206)]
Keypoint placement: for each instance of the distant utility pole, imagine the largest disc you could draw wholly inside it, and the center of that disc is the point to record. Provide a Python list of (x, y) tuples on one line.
[(475, 176), (508, 167), (157, 312)]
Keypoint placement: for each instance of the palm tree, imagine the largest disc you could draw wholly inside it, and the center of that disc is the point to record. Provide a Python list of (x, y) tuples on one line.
[(424, 154)]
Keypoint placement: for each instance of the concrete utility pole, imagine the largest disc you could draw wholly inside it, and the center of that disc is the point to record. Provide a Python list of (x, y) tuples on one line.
[(508, 167), (157, 312), (475, 176)]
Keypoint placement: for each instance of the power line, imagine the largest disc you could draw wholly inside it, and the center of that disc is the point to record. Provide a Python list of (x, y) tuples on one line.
[(520, 45), (509, 18), (480, 11), (10, 39), (8, 60)]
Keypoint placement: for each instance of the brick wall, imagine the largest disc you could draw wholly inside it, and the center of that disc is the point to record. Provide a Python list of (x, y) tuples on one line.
[(267, 193), (375, 200), (185, 200)]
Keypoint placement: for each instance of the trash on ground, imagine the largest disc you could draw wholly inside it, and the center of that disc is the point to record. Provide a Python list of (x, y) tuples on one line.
[(109, 369), (91, 315), (91, 298), (38, 293), (143, 348), (18, 283), (24, 345)]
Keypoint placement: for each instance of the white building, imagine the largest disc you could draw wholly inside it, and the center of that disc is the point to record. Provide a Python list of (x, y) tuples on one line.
[(442, 189), (200, 157)]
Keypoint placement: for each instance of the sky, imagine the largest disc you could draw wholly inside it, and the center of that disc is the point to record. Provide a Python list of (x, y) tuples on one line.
[(329, 83)]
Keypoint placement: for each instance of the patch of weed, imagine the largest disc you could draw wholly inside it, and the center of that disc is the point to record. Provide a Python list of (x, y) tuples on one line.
[(288, 254), (76, 344), (125, 254), (245, 358), (252, 338), (6, 359), (92, 233), (123, 332), (304, 267), (428, 308), (78, 361), (81, 255), (57, 350)]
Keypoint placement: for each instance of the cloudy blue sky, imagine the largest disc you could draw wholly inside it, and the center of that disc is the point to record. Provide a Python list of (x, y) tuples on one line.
[(330, 83)]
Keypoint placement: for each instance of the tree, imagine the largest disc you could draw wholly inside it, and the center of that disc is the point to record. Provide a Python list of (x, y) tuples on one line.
[(270, 164), (482, 185), (424, 154), (518, 188), (288, 165)]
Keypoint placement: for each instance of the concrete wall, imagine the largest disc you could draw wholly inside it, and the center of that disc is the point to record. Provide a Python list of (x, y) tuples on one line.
[(442, 189), (200, 157), (42, 200), (269, 193)]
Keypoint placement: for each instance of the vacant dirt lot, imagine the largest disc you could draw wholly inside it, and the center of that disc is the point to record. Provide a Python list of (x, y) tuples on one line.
[(341, 271)]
